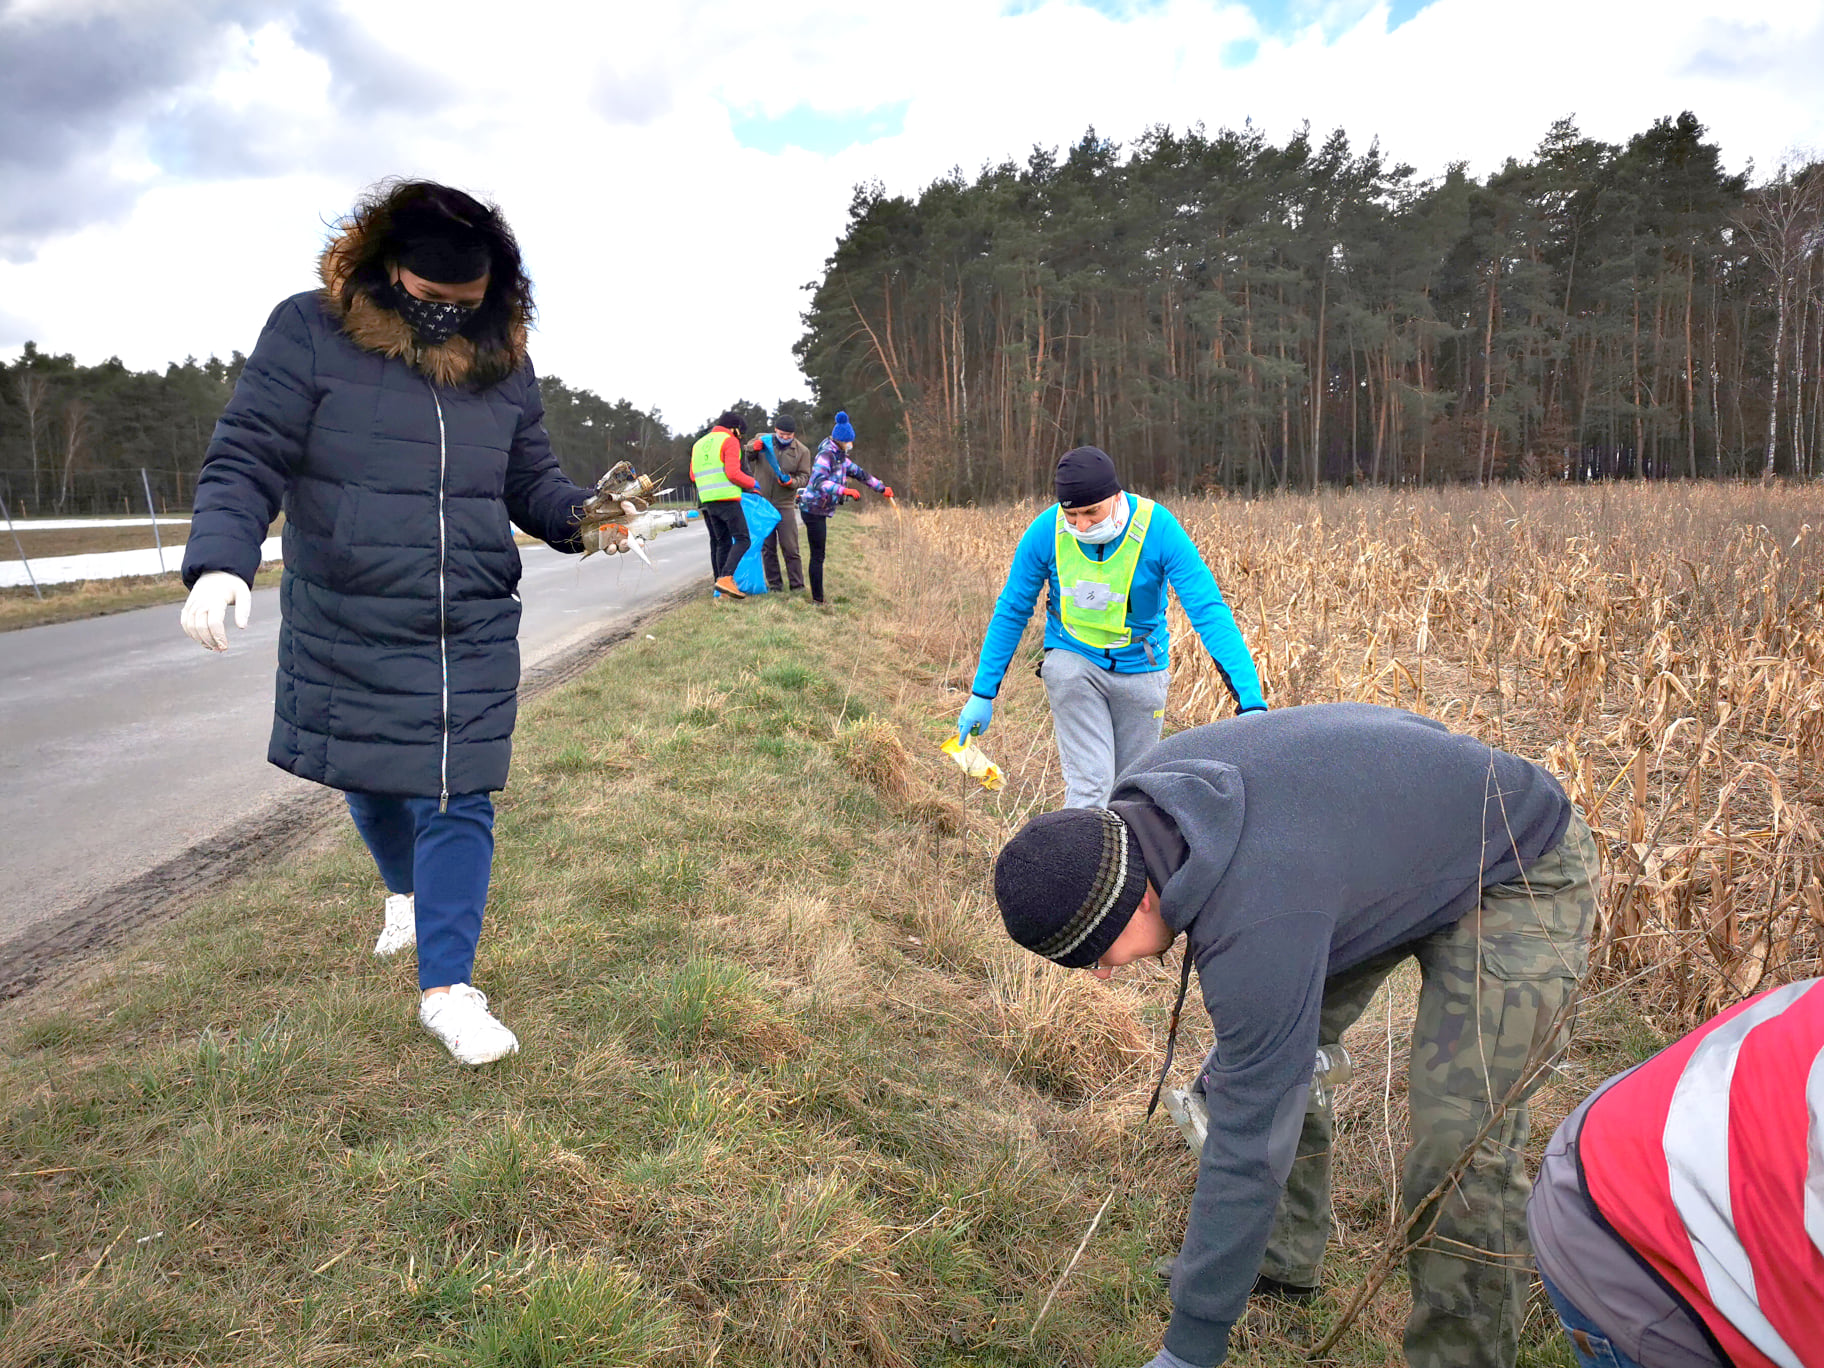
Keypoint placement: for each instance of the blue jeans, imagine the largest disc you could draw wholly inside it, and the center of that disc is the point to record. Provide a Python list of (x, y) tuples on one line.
[(1591, 1346), (444, 859)]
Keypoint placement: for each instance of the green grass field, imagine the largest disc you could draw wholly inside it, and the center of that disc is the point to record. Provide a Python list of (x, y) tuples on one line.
[(786, 1094)]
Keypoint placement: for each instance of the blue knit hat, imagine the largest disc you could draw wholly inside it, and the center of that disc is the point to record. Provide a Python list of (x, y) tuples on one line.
[(842, 432)]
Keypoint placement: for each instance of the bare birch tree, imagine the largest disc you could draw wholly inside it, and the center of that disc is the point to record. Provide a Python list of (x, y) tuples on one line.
[(1784, 224), (34, 392), (75, 423)]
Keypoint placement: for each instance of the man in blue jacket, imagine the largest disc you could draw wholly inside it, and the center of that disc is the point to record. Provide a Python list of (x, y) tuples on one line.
[(1304, 854), (1106, 556)]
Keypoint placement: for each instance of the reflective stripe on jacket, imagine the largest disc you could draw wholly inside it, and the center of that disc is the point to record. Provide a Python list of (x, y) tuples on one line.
[(1094, 593), (1169, 558), (1708, 1160), (709, 466)]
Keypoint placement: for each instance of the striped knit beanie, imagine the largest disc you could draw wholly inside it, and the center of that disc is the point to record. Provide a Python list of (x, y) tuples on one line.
[(1068, 883)]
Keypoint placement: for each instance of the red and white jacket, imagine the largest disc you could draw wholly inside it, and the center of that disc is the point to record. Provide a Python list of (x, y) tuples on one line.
[(1708, 1160)]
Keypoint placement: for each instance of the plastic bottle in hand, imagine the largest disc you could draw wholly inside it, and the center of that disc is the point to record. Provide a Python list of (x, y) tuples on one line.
[(1191, 1111)]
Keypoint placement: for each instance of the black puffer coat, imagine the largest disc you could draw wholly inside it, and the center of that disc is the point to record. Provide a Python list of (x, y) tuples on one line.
[(398, 648)]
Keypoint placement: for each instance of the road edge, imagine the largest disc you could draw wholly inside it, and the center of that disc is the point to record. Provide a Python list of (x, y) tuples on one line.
[(52, 952)]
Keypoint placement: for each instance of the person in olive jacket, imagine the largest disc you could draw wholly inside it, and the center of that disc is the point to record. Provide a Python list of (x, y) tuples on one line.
[(782, 465), (394, 416)]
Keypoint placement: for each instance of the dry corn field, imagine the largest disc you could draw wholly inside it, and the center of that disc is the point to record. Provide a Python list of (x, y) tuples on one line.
[(1659, 648)]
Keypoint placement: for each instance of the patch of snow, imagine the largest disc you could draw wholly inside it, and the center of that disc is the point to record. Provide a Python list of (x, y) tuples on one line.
[(100, 565)]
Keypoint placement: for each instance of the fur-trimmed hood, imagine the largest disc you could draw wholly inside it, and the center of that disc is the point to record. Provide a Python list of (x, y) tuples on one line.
[(371, 325)]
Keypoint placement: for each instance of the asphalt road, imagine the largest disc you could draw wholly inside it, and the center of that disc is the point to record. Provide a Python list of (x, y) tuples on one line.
[(124, 744)]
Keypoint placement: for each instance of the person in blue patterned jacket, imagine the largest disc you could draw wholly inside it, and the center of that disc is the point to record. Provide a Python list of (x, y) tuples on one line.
[(825, 490), (394, 416), (1106, 557)]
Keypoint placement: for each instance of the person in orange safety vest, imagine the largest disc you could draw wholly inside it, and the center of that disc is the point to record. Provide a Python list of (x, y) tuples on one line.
[(1678, 1219)]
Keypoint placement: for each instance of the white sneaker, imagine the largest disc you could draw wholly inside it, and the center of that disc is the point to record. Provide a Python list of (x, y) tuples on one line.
[(401, 927), (461, 1020)]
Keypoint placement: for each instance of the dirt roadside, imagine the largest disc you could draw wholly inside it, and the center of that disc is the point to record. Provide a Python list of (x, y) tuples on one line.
[(54, 952)]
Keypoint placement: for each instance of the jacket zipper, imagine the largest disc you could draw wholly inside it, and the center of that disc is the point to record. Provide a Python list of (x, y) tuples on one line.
[(443, 644)]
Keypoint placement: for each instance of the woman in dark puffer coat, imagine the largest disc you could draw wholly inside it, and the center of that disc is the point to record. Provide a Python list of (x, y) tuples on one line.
[(394, 416)]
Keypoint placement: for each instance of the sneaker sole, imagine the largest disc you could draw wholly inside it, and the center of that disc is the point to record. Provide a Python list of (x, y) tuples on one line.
[(512, 1049)]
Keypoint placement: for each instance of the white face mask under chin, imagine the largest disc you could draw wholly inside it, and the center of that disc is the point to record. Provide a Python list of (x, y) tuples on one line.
[(1111, 527)]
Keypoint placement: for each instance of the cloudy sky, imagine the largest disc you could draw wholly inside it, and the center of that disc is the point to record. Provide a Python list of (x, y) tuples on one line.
[(678, 170)]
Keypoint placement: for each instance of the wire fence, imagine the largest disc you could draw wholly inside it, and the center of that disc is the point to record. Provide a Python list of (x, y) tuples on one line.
[(97, 493)]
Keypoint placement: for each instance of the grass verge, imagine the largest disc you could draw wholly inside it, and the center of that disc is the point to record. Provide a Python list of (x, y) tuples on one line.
[(787, 1095), (76, 541), (783, 1100)]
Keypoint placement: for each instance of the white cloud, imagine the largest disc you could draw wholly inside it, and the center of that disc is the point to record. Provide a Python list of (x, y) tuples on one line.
[(669, 258)]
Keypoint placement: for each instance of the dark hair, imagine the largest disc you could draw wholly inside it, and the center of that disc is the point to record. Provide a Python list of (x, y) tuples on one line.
[(395, 212)]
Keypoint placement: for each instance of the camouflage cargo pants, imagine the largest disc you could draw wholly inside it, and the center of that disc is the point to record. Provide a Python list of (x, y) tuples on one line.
[(1497, 994)]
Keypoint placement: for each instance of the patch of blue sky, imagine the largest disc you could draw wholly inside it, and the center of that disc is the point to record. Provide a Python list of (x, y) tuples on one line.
[(1402, 10), (1240, 52), (817, 132), (1288, 16), (1114, 9), (1273, 16)]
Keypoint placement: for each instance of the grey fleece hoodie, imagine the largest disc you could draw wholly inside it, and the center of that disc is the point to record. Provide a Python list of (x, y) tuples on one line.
[(1289, 846)]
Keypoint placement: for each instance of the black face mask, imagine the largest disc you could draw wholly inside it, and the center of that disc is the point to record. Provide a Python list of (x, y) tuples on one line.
[(431, 322)]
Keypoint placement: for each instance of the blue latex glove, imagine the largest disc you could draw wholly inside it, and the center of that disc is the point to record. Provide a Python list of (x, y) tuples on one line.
[(1165, 1358), (978, 712)]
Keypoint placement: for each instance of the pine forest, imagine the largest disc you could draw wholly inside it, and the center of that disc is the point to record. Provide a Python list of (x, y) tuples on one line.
[(1223, 312), (1218, 311)]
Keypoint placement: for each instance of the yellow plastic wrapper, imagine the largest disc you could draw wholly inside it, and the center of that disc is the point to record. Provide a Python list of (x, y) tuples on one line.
[(970, 760)]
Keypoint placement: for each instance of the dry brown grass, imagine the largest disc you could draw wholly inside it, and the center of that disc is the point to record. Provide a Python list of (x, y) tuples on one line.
[(77, 541), (1660, 648), (872, 751), (788, 1096)]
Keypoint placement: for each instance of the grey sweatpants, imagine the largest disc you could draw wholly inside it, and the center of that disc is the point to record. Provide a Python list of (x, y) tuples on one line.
[(1103, 722)]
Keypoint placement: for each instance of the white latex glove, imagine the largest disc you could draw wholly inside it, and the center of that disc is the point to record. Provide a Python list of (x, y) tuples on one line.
[(205, 615)]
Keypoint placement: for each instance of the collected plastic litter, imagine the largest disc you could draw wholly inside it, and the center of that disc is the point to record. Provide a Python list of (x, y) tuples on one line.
[(620, 496), (1334, 1068), (970, 760), (1192, 1113), (1193, 1117)]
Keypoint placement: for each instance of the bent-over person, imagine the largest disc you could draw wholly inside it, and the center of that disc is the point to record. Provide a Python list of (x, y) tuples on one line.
[(1304, 854)]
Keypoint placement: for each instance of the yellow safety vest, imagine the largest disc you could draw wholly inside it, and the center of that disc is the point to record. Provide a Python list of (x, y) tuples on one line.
[(1094, 607), (707, 470)]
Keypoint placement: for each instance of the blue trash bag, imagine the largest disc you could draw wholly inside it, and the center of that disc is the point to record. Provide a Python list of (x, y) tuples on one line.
[(762, 518)]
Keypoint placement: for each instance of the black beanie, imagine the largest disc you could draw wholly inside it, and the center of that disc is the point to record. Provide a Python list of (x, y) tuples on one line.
[(785, 423), (733, 421), (1068, 883), (446, 256), (1086, 476)]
